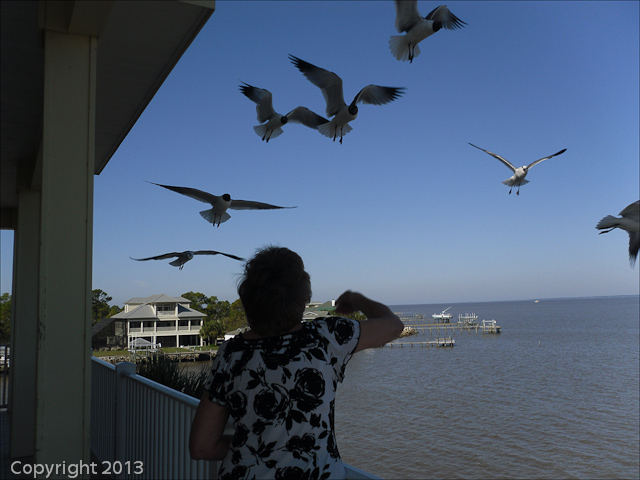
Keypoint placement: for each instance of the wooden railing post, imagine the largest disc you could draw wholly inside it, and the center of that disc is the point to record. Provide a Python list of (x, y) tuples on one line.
[(123, 369)]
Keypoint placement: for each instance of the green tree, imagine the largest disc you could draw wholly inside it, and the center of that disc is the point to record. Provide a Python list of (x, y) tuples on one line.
[(100, 308), (211, 330), (198, 301), (213, 308), (218, 309), (221, 316), (5, 318), (236, 317)]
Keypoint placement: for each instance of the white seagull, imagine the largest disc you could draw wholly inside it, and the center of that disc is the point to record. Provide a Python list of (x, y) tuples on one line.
[(218, 213), (630, 222), (517, 179), (184, 257), (405, 47), (331, 86), (275, 121)]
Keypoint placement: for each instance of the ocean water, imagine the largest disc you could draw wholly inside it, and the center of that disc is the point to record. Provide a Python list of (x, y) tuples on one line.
[(555, 395)]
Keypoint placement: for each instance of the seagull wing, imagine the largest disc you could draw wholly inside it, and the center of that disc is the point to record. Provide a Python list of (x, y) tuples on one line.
[(263, 98), (328, 82), (249, 205), (407, 14), (213, 252), (545, 158), (160, 257), (632, 211), (495, 155), (448, 19), (306, 117), (377, 95), (194, 193)]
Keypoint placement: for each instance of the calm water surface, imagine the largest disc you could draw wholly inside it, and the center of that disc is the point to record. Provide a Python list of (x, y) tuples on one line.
[(555, 395)]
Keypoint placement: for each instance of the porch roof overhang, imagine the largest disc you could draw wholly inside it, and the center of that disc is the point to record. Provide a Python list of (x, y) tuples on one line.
[(139, 43)]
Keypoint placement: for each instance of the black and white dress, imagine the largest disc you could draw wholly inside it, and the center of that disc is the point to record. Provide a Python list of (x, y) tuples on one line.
[(280, 392)]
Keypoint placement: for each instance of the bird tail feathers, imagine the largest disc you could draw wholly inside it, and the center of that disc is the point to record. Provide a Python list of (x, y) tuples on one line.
[(400, 48), (176, 263), (329, 130), (607, 222), (211, 217), (510, 183), (264, 134)]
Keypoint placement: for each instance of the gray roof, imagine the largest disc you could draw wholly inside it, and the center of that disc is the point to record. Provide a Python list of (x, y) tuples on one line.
[(158, 298), (145, 312), (105, 322), (140, 312)]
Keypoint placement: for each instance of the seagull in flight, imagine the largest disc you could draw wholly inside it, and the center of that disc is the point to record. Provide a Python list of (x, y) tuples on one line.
[(517, 179), (184, 257), (405, 47), (275, 121), (630, 222), (218, 213), (331, 86)]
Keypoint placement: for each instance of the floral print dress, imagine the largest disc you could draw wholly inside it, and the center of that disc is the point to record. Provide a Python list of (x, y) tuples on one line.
[(280, 392)]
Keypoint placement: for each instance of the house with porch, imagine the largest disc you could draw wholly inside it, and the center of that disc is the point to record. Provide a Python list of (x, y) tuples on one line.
[(161, 319)]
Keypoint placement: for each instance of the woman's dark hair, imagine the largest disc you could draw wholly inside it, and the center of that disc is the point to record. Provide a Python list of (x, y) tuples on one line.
[(274, 290)]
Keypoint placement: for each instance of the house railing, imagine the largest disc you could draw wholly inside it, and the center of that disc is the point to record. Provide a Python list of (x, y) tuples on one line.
[(140, 428)]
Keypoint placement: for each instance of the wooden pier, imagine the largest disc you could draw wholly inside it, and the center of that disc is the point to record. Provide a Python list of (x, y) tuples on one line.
[(418, 322), (438, 342)]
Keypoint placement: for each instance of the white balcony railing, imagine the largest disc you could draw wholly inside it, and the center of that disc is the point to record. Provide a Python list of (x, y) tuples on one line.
[(141, 428)]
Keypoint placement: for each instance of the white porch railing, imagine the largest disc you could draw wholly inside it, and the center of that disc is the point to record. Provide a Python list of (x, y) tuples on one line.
[(140, 428)]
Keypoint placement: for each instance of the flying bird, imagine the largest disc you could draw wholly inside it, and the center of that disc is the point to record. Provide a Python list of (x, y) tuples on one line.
[(331, 86), (274, 121), (184, 257), (517, 179), (218, 213), (630, 222), (405, 47)]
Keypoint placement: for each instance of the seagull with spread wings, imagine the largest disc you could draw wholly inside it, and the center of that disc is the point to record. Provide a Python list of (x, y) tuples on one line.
[(630, 222), (405, 47), (217, 214), (274, 120), (331, 86), (184, 257), (517, 179)]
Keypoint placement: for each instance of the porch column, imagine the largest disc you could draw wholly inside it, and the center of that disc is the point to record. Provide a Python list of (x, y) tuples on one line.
[(64, 337), (24, 331)]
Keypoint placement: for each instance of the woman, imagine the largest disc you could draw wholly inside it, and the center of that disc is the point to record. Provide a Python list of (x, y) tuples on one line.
[(278, 381)]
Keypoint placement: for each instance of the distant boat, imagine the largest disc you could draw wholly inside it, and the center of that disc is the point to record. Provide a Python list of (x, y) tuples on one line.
[(443, 316), (536, 301)]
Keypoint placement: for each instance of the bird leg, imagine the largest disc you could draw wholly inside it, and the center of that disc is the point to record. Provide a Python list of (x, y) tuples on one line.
[(510, 190), (518, 192)]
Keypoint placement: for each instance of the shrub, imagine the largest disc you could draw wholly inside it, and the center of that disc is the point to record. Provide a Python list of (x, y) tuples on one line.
[(173, 375)]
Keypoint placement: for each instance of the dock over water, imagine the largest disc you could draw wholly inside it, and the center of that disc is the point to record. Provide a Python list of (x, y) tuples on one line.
[(438, 342), (467, 322)]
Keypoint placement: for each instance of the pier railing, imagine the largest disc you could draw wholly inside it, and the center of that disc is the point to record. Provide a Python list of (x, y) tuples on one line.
[(140, 428)]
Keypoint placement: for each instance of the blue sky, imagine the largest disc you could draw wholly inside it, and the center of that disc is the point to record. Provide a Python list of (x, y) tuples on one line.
[(405, 210)]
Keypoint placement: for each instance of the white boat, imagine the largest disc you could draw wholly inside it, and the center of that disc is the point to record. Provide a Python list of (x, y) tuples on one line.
[(442, 316)]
